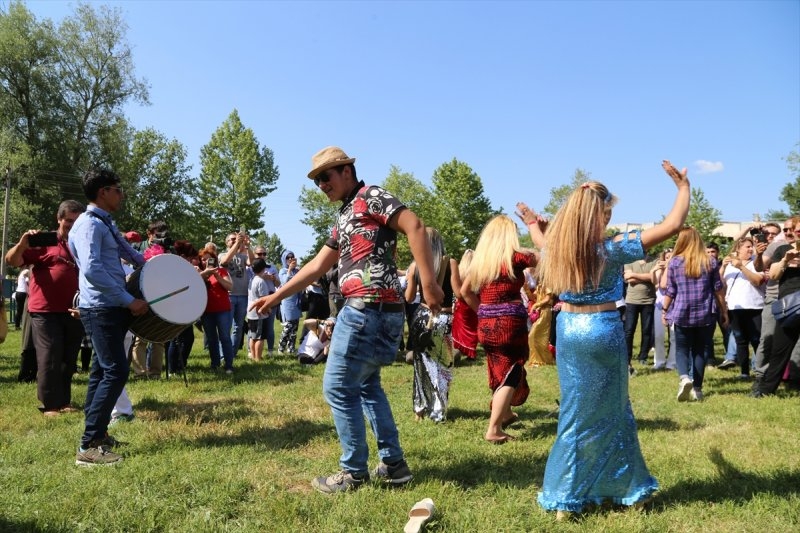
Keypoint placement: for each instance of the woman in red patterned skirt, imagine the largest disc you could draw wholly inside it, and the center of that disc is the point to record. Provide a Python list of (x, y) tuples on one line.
[(465, 321), (492, 289)]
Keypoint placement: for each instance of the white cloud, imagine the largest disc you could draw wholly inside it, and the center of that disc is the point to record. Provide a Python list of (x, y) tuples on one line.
[(708, 167)]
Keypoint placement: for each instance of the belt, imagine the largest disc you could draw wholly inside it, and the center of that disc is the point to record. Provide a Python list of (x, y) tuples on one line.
[(360, 304), (592, 308)]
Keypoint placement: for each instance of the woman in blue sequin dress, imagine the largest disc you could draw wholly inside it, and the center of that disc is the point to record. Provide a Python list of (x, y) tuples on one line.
[(596, 456)]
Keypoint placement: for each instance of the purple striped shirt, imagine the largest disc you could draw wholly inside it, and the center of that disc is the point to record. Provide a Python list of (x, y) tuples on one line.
[(692, 298)]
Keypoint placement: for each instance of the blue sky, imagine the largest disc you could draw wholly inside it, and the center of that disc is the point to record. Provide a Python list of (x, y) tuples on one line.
[(523, 92)]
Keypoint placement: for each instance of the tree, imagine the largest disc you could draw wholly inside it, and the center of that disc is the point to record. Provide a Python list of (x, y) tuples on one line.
[(236, 174), (156, 181), (791, 191), (462, 208), (62, 91), (319, 214), (559, 195), (417, 197)]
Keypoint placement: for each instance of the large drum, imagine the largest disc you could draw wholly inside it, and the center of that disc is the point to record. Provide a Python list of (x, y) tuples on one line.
[(175, 293)]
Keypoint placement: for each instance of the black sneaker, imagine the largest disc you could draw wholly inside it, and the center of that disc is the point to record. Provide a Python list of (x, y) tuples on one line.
[(393, 474), (727, 363), (341, 482), (108, 441)]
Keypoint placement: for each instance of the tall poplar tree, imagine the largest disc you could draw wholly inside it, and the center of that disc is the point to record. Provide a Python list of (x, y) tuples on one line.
[(236, 174)]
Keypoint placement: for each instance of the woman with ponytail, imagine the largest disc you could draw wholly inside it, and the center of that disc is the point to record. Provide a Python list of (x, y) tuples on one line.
[(596, 456)]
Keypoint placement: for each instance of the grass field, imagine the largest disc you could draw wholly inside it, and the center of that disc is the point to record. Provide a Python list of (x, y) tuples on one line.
[(237, 453)]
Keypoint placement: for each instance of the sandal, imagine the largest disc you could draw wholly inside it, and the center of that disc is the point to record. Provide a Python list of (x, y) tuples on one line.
[(419, 515)]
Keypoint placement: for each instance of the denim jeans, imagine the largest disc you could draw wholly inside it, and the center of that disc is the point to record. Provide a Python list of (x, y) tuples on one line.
[(690, 352), (216, 326), (238, 312), (362, 343), (106, 326)]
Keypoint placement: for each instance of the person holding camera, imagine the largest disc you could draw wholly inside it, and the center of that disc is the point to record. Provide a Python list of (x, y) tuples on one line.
[(217, 315), (53, 284), (235, 260), (158, 242), (745, 298)]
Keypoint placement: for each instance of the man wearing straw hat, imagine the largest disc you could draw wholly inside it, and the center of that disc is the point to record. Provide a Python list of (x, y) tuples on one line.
[(370, 324)]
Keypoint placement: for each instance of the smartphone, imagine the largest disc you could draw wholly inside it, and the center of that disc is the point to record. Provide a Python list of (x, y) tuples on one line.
[(760, 237), (211, 262), (43, 238)]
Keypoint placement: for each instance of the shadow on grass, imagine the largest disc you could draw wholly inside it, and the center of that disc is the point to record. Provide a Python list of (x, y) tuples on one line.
[(511, 470), (294, 433), (10, 526), (731, 483)]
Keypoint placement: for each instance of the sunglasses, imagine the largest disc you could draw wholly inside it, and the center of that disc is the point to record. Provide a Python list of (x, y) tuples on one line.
[(787, 230), (322, 178), (260, 253), (288, 257)]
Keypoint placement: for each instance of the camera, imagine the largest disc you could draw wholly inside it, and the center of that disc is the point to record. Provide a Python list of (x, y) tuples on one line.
[(162, 239), (755, 231), (211, 262), (760, 237)]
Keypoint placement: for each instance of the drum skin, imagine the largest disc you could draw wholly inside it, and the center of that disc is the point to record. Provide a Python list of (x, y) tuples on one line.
[(175, 293)]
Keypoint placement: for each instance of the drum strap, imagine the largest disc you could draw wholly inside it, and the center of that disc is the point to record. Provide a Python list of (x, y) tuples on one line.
[(125, 248)]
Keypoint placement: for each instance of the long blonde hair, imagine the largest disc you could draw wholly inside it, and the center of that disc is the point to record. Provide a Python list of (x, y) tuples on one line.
[(464, 264), (691, 247), (573, 257), (494, 252)]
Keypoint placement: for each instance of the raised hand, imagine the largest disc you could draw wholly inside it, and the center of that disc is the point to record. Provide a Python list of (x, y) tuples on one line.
[(680, 178)]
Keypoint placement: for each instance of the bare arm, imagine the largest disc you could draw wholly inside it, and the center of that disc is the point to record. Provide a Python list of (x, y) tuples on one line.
[(469, 295), (311, 271), (674, 220), (455, 278), (14, 255), (410, 224), (411, 283), (536, 224)]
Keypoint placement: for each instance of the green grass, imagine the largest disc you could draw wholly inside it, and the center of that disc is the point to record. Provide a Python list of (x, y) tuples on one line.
[(237, 454)]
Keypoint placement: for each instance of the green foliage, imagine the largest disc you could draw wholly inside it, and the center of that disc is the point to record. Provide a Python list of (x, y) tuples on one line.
[(156, 180), (319, 214), (559, 195), (271, 243), (462, 208), (62, 91), (236, 174), (791, 191), (416, 196)]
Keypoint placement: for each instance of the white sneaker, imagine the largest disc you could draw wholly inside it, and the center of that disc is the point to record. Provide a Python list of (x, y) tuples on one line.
[(684, 390)]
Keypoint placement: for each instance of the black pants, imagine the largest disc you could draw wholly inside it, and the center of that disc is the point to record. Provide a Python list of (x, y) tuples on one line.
[(57, 337), (783, 342), (632, 314)]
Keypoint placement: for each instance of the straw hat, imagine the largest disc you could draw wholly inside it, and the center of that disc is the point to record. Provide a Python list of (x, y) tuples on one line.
[(328, 158)]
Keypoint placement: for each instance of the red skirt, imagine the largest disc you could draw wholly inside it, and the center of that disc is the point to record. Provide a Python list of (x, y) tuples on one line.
[(465, 329), (505, 340)]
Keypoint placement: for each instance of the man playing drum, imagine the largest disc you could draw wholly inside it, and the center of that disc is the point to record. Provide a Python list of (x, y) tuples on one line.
[(106, 309)]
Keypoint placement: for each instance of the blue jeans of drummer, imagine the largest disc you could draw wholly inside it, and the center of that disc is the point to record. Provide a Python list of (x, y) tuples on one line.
[(238, 312), (106, 326), (363, 342)]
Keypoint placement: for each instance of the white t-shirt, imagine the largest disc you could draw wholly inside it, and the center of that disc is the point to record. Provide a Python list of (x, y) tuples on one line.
[(740, 293), (311, 345), (22, 281)]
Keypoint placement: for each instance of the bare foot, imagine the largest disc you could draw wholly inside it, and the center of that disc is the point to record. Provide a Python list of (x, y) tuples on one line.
[(499, 438), (513, 419)]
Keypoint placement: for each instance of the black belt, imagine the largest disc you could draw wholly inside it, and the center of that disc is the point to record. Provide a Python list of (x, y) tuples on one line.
[(358, 303)]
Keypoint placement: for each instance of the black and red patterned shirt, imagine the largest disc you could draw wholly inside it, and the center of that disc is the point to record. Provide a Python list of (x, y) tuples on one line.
[(367, 246)]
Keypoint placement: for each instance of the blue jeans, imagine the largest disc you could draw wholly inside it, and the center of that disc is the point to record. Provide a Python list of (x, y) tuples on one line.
[(238, 312), (362, 343), (106, 326), (216, 327), (690, 352)]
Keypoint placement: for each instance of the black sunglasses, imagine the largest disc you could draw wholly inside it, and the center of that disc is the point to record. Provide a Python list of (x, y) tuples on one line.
[(322, 178), (261, 253)]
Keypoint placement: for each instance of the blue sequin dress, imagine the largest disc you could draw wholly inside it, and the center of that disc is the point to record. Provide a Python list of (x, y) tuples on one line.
[(596, 455)]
